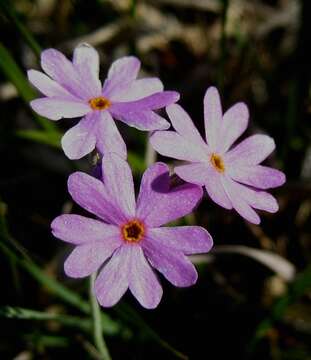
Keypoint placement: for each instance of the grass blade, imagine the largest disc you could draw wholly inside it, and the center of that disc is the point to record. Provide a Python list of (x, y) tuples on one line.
[(28, 314), (42, 137), (14, 74), (7, 8), (110, 327)]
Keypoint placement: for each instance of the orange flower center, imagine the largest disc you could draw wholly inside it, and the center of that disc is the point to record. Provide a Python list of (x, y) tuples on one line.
[(133, 231), (99, 103), (217, 162)]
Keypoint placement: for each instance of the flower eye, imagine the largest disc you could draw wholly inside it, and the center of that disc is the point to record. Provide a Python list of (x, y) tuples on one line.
[(133, 231), (217, 162), (99, 103)]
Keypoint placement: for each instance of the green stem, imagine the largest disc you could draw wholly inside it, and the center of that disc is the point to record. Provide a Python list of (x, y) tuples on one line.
[(97, 323), (150, 155), (13, 251), (29, 314), (110, 326), (133, 8)]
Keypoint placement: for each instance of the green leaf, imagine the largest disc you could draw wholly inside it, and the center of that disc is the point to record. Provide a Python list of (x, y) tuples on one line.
[(7, 8), (28, 314), (110, 326), (54, 139), (136, 162), (14, 74), (43, 137), (41, 341)]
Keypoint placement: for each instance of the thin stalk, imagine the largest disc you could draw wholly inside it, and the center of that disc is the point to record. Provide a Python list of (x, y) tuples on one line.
[(13, 251), (133, 8), (110, 326), (97, 323), (29, 314), (150, 155)]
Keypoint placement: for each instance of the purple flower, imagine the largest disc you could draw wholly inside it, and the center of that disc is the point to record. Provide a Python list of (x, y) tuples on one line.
[(73, 89), (126, 236), (233, 177)]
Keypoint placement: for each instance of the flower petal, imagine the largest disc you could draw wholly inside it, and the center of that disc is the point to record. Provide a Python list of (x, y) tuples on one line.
[(235, 121), (194, 173), (151, 102), (113, 280), (87, 258), (77, 229), (143, 282), (118, 180), (159, 204), (216, 191), (92, 195), (238, 202), (80, 140), (154, 182), (47, 86), (86, 62), (121, 74), (140, 88), (260, 200), (183, 124), (173, 264), (261, 177), (188, 239), (108, 136), (212, 116), (142, 120), (56, 108), (60, 69), (250, 151), (171, 144)]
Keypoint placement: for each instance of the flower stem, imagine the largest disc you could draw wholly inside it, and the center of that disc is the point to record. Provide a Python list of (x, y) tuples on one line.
[(150, 154), (97, 324)]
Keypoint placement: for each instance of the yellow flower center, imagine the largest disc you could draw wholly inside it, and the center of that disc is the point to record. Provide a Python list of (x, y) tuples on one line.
[(133, 231), (99, 103), (217, 162)]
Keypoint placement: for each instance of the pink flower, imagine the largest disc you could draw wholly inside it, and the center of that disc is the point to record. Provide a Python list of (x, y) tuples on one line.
[(126, 236), (232, 177), (73, 89)]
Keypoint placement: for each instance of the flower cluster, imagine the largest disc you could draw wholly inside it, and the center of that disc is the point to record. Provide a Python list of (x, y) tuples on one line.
[(125, 240)]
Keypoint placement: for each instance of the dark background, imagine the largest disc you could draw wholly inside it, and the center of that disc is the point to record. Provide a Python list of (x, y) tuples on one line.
[(254, 51)]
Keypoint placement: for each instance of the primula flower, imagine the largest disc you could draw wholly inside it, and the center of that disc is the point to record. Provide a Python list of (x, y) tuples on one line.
[(73, 89), (233, 177), (126, 236)]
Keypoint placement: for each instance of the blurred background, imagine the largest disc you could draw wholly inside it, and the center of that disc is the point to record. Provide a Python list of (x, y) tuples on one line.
[(252, 299)]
